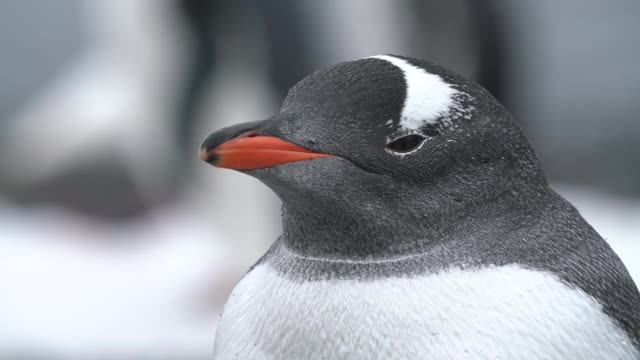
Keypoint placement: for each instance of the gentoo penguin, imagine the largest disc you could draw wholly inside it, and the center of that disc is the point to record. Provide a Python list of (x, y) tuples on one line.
[(417, 223)]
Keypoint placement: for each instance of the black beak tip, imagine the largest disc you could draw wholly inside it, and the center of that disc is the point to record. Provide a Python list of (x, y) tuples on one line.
[(220, 136), (205, 149), (207, 156)]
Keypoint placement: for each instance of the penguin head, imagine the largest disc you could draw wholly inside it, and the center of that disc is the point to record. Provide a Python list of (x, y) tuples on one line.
[(393, 133)]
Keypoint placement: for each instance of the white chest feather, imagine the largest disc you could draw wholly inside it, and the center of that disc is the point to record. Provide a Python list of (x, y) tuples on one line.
[(494, 313)]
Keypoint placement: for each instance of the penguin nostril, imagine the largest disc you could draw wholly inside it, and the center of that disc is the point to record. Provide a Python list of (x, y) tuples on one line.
[(405, 143)]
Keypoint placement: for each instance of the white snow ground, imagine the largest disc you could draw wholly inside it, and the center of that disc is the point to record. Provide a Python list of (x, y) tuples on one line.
[(135, 290)]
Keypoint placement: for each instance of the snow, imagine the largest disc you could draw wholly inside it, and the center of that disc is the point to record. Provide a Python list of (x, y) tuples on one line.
[(73, 287)]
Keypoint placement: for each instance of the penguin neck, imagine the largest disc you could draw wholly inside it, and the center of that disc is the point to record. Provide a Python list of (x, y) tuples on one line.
[(377, 226)]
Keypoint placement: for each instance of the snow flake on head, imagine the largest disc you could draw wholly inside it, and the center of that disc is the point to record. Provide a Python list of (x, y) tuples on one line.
[(389, 123)]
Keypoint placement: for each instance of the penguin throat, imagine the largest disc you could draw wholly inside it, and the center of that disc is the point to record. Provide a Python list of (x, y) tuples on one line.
[(344, 231)]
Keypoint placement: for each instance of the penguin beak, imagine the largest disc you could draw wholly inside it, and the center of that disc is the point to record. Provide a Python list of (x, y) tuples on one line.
[(250, 151)]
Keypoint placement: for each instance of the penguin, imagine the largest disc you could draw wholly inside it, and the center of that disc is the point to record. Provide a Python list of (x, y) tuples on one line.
[(417, 223)]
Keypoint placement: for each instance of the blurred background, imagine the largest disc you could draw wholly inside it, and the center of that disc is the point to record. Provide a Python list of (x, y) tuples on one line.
[(116, 242)]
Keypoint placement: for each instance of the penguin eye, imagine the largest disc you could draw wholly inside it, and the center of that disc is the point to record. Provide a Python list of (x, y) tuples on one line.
[(405, 143)]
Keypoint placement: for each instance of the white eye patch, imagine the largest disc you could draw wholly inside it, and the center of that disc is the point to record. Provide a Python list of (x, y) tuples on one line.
[(429, 98)]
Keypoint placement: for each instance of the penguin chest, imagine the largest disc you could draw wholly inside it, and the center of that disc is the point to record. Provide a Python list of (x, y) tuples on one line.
[(496, 312)]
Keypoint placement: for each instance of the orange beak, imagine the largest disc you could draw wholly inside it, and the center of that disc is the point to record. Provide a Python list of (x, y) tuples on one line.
[(252, 151)]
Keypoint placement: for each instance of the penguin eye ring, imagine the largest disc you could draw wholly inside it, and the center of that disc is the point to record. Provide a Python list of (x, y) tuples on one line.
[(406, 144)]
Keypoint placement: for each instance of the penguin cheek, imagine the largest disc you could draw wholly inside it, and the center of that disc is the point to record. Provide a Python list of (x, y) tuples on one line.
[(314, 178)]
